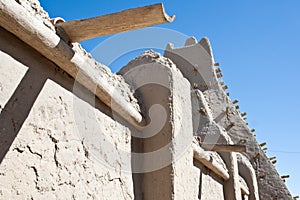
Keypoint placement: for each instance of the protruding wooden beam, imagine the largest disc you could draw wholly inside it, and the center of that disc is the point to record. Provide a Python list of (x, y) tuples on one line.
[(195, 86), (232, 124), (131, 19), (235, 101), (218, 70), (256, 156), (224, 147), (285, 176), (243, 114), (195, 68), (216, 64), (263, 144), (272, 158), (225, 87), (219, 75)]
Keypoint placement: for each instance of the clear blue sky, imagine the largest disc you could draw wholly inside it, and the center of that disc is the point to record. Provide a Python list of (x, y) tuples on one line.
[(258, 45)]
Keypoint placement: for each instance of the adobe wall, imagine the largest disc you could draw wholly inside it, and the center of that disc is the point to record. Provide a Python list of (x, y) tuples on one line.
[(209, 185), (43, 152)]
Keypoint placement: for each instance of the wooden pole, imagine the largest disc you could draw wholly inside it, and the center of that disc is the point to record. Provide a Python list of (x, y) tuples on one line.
[(272, 158), (131, 19), (224, 147), (263, 144), (285, 176)]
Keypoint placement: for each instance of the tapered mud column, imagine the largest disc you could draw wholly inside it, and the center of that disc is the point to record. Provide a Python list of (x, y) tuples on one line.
[(248, 173), (232, 189), (166, 156)]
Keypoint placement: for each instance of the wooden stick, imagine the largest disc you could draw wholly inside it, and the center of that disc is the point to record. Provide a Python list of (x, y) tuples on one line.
[(263, 144), (235, 101), (131, 19), (256, 156), (272, 158), (224, 147), (285, 176)]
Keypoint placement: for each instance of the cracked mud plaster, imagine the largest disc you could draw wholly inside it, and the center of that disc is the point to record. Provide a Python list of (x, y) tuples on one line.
[(49, 159)]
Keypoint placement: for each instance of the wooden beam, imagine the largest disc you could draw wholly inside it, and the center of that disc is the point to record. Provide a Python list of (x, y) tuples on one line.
[(272, 158), (224, 147), (285, 176), (263, 144), (131, 19)]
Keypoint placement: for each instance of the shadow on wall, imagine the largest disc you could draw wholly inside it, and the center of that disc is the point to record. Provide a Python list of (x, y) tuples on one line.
[(21, 101)]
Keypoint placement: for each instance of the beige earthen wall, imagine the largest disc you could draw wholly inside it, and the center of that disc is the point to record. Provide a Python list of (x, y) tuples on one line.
[(43, 152), (209, 185)]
